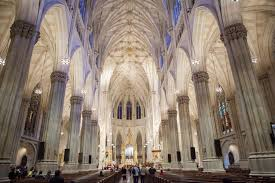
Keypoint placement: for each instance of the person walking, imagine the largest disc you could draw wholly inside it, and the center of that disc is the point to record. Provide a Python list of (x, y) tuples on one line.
[(135, 172)]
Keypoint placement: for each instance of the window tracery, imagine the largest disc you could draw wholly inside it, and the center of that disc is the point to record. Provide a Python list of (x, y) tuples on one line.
[(129, 110), (119, 111), (138, 111)]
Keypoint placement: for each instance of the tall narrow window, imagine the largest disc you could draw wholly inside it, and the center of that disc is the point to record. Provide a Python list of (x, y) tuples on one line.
[(129, 110), (167, 40), (138, 111), (176, 11), (82, 8), (119, 111), (223, 110), (161, 61)]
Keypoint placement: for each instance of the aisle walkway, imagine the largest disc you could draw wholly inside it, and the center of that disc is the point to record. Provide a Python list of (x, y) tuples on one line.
[(129, 179)]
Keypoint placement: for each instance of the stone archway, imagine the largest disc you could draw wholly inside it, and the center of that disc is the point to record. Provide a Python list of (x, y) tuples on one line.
[(27, 153)]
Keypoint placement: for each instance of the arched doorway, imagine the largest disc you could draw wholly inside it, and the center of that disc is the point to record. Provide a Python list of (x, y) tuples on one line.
[(26, 155)]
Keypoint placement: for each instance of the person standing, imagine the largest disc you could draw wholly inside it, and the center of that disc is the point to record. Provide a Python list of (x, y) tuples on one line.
[(135, 172), (143, 174), (57, 177)]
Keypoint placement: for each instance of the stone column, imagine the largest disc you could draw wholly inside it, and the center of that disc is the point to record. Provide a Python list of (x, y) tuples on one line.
[(186, 133), (268, 94), (52, 126), (199, 141), (211, 163), (85, 143), (173, 139), (73, 135), (94, 145), (254, 113), (238, 132), (165, 131), (12, 81), (20, 126)]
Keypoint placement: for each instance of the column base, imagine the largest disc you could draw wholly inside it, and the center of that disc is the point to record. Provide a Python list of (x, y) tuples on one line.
[(189, 165), (212, 165), (4, 169), (262, 164), (175, 165), (244, 164), (166, 166), (46, 165), (70, 167)]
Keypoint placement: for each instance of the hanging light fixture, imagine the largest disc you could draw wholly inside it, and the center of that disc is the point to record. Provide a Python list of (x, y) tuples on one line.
[(38, 89)]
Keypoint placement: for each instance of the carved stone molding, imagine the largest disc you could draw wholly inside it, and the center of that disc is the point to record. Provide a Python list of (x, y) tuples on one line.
[(164, 122), (86, 114), (94, 122), (201, 76), (235, 31), (23, 29), (183, 99), (76, 99), (172, 112), (59, 76)]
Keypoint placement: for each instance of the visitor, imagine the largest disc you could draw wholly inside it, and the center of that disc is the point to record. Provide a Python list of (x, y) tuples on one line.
[(40, 176), (135, 172), (130, 171), (57, 177), (143, 171), (12, 175), (124, 172), (48, 175), (152, 171)]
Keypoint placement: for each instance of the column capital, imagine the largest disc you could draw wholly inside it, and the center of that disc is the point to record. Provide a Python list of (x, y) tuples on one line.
[(23, 29), (264, 76), (94, 122), (172, 112), (164, 121), (76, 99), (200, 76), (183, 99), (235, 31), (59, 76), (86, 114)]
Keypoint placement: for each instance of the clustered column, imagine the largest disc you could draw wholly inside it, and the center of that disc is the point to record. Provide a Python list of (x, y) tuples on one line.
[(186, 133), (94, 145), (206, 121), (254, 113), (52, 126), (173, 138), (85, 143), (165, 131), (12, 82), (73, 135)]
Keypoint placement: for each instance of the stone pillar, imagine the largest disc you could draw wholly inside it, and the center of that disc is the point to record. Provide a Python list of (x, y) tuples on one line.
[(73, 134), (173, 139), (85, 143), (211, 163), (12, 82), (52, 126), (186, 133), (165, 131), (268, 94), (199, 141), (238, 132), (94, 145), (254, 113), (20, 126)]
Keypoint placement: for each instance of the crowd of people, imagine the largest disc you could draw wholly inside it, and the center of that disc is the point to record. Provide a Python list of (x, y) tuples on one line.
[(137, 173), (19, 173)]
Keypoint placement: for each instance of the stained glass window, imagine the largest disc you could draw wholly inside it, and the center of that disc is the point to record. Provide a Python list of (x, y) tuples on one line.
[(167, 40), (119, 111), (176, 11), (161, 61), (138, 111), (129, 110), (82, 8), (91, 40), (223, 113)]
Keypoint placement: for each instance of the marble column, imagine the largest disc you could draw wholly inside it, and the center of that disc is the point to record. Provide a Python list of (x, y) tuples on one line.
[(20, 126), (73, 134), (238, 132), (165, 131), (186, 133), (268, 94), (52, 124), (199, 141), (12, 81), (85, 143), (253, 108), (94, 145), (173, 139), (211, 163)]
